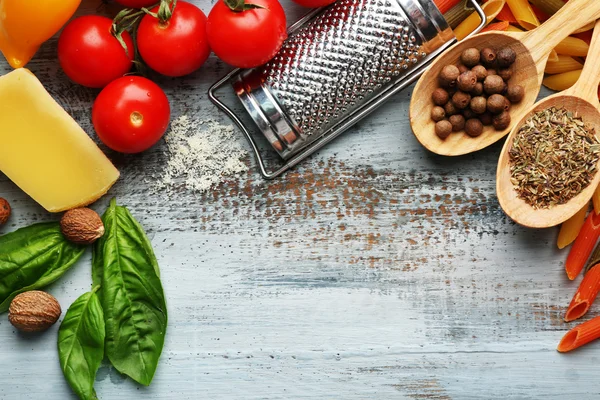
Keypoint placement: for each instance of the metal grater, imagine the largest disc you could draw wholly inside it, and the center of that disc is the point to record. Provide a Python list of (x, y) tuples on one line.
[(338, 64)]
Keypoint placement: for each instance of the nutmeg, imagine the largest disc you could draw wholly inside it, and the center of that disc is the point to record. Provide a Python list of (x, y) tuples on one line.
[(448, 76), (81, 226), (443, 129), (466, 81), (438, 113), (33, 311), (4, 210), (440, 97)]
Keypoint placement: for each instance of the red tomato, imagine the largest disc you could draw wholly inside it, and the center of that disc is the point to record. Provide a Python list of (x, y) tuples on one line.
[(131, 114), (136, 3), (246, 38), (314, 3), (90, 55), (177, 47)]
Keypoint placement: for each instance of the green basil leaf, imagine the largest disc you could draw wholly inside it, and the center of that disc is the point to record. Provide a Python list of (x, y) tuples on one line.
[(81, 344), (132, 296), (32, 258)]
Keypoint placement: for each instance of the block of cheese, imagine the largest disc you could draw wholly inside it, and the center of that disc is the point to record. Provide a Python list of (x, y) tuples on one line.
[(44, 151)]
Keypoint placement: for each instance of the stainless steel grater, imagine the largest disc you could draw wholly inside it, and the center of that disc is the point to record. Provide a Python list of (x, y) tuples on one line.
[(338, 64)]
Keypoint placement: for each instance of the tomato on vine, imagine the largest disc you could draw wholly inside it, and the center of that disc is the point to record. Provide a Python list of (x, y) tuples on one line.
[(244, 34)]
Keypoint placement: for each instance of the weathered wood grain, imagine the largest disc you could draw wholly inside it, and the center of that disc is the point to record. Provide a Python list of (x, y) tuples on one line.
[(374, 270)]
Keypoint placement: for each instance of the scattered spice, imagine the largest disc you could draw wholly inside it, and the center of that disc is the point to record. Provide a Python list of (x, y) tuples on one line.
[(553, 157)]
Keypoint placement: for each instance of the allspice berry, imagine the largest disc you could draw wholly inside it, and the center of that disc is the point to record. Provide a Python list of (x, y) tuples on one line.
[(34, 311), (506, 57), (491, 72), (478, 104), (496, 103), (450, 109), (440, 97), (461, 100), (470, 57), (505, 73), (515, 93), (448, 76), (468, 113), (486, 118), (438, 113), (458, 122), (501, 121), (443, 129), (488, 56), (81, 226), (4, 210), (493, 84), (478, 89), (480, 71), (466, 81), (473, 127)]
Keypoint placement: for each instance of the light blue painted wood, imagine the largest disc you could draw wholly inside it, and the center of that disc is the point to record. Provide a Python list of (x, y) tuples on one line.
[(375, 270)]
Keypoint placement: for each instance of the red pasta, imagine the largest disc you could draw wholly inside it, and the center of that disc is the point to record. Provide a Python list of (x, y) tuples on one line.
[(586, 294), (583, 246), (506, 15), (445, 5), (580, 335), (496, 26)]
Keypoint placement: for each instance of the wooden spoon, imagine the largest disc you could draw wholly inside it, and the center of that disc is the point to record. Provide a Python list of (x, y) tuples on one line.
[(582, 100), (532, 48)]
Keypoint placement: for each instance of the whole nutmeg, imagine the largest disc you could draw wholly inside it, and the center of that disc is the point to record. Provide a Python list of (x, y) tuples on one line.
[(493, 84), (478, 104), (438, 113), (473, 127), (458, 122), (505, 73), (496, 103), (480, 71), (515, 93), (466, 81), (461, 100), (448, 76), (486, 118), (440, 97), (488, 56), (450, 109), (33, 311), (470, 57), (506, 57), (478, 89), (4, 211), (81, 226), (501, 121), (443, 129)]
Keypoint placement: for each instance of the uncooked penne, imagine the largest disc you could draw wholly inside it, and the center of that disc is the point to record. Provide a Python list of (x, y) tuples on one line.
[(560, 82), (552, 6), (572, 46), (563, 64), (445, 5), (491, 9), (596, 199), (585, 295), (571, 228), (523, 13), (580, 335)]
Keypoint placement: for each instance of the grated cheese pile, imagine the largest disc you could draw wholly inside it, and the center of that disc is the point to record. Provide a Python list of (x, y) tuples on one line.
[(201, 154)]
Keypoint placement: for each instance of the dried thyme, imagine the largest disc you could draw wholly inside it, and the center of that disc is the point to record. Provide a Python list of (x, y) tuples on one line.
[(553, 157)]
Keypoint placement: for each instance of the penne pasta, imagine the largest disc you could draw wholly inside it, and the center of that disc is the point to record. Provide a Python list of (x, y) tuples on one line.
[(491, 9), (585, 295), (580, 335), (571, 227), (583, 246), (540, 14), (596, 195), (563, 64), (523, 13), (496, 26), (572, 46), (505, 15), (550, 7), (560, 82), (445, 5)]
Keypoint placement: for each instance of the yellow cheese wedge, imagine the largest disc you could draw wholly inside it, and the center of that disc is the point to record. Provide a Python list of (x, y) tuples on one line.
[(44, 151)]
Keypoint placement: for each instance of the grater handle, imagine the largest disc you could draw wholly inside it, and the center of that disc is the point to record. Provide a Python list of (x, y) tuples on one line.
[(269, 175)]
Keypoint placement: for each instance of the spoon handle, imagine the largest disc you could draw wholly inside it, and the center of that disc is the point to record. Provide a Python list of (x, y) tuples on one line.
[(587, 84), (572, 16)]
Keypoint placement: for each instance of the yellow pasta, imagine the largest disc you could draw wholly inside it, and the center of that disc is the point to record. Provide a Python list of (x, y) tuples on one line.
[(572, 46), (570, 228), (553, 56), (523, 13), (563, 64), (596, 200), (491, 9), (562, 81)]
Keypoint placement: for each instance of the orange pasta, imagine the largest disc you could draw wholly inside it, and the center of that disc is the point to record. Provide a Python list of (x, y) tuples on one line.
[(496, 26), (445, 5), (563, 64), (572, 46), (570, 228), (560, 82), (583, 246), (585, 296), (491, 9), (541, 15), (580, 335), (596, 196), (505, 15), (523, 13)]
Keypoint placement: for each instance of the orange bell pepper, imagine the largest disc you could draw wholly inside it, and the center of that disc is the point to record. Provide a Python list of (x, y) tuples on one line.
[(26, 24)]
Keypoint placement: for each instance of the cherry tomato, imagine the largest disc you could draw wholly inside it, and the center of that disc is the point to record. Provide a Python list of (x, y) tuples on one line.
[(314, 3), (131, 114), (90, 55), (177, 47), (246, 37), (136, 3)]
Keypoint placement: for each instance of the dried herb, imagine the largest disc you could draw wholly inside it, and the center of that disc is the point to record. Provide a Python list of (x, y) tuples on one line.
[(553, 157)]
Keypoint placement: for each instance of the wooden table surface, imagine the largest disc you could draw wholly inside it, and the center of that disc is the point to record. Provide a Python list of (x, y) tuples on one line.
[(374, 270)]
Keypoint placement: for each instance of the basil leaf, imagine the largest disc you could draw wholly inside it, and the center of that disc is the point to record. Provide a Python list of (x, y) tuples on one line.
[(81, 344), (132, 296), (32, 258)]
